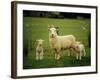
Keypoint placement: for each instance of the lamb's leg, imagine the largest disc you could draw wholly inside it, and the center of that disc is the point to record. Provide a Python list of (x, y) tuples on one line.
[(71, 52), (37, 56), (77, 56), (41, 56), (84, 53), (80, 55)]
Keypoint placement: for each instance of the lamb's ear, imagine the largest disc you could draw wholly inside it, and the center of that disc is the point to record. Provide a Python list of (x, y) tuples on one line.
[(78, 42), (57, 28), (49, 26), (52, 26), (37, 40), (43, 40)]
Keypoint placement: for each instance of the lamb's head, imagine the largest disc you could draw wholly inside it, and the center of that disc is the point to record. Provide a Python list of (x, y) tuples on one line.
[(52, 31), (40, 42), (76, 45)]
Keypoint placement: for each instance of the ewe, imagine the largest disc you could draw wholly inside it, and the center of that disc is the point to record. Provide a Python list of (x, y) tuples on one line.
[(39, 49), (59, 42)]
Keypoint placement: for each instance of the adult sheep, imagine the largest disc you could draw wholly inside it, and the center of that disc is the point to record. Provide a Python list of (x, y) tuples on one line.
[(59, 42)]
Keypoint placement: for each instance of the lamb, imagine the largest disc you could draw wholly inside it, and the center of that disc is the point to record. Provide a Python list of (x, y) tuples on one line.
[(59, 42), (39, 49), (79, 49)]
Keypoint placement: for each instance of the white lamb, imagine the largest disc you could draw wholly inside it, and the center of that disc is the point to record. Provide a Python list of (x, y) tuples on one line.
[(59, 42), (79, 49), (39, 49)]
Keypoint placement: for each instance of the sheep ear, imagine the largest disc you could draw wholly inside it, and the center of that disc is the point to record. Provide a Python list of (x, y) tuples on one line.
[(57, 28), (42, 40), (48, 26), (52, 26), (78, 42), (36, 40)]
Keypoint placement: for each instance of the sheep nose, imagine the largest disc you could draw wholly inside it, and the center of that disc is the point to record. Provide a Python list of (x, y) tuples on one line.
[(52, 35)]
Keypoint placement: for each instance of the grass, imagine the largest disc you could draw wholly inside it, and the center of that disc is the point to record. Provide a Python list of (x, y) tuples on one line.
[(36, 28)]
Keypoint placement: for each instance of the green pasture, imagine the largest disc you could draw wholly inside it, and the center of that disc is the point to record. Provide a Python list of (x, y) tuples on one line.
[(36, 28)]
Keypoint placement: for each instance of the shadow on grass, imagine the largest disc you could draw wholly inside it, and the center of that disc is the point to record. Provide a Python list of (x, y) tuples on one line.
[(30, 63)]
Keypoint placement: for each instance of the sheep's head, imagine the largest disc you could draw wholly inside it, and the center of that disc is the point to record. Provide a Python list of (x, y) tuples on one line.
[(52, 31), (76, 45), (40, 42)]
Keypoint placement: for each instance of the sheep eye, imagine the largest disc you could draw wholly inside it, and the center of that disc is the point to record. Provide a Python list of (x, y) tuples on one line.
[(55, 31), (49, 30)]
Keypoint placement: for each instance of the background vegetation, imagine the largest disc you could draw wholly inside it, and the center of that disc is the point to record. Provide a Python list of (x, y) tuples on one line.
[(37, 27)]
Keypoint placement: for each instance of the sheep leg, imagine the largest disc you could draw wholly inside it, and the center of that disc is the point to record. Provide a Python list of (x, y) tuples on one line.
[(77, 56), (68, 53), (71, 52), (84, 52), (41, 56), (80, 55), (37, 56), (57, 55)]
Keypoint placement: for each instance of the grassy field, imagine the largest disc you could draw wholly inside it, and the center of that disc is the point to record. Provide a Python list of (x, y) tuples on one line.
[(36, 28)]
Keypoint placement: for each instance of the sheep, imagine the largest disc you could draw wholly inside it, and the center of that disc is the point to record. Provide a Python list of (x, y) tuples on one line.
[(59, 42), (79, 49), (39, 49)]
